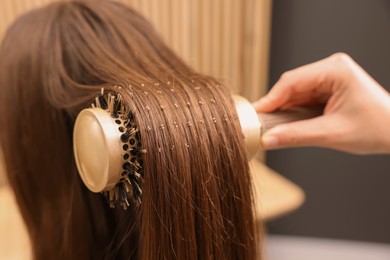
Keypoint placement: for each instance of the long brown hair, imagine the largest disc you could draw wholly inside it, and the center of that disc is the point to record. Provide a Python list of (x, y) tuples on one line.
[(197, 193)]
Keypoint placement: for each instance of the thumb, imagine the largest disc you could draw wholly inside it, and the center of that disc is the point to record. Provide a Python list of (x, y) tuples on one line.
[(311, 132)]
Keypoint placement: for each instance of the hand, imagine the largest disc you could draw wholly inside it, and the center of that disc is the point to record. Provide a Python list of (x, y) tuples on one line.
[(357, 112)]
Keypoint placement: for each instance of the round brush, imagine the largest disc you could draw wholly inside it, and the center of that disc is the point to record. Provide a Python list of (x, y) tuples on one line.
[(108, 149), (254, 124)]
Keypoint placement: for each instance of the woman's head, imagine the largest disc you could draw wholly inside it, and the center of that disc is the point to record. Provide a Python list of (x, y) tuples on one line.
[(196, 200)]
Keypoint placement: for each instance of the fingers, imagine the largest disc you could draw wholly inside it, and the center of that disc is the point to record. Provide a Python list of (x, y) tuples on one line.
[(312, 132), (353, 99), (312, 82)]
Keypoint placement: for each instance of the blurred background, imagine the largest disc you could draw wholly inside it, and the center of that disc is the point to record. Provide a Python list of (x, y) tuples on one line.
[(248, 45), (347, 196)]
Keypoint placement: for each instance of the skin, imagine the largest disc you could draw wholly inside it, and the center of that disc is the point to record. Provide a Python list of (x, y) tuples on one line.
[(357, 112)]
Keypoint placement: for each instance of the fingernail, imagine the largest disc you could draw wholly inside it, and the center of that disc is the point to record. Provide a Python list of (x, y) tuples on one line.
[(270, 141)]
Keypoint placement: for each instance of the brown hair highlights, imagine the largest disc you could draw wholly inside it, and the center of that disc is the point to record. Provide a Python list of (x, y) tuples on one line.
[(197, 194)]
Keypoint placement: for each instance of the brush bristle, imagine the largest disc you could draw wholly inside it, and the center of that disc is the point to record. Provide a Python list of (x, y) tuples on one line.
[(129, 188)]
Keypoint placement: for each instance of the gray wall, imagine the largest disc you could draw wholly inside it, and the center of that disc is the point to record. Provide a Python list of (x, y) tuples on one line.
[(348, 196)]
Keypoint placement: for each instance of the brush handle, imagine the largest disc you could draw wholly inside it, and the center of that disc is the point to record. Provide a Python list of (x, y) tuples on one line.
[(270, 120), (254, 124)]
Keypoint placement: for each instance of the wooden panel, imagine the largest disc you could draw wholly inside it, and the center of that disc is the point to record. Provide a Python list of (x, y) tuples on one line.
[(227, 39), (14, 240)]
